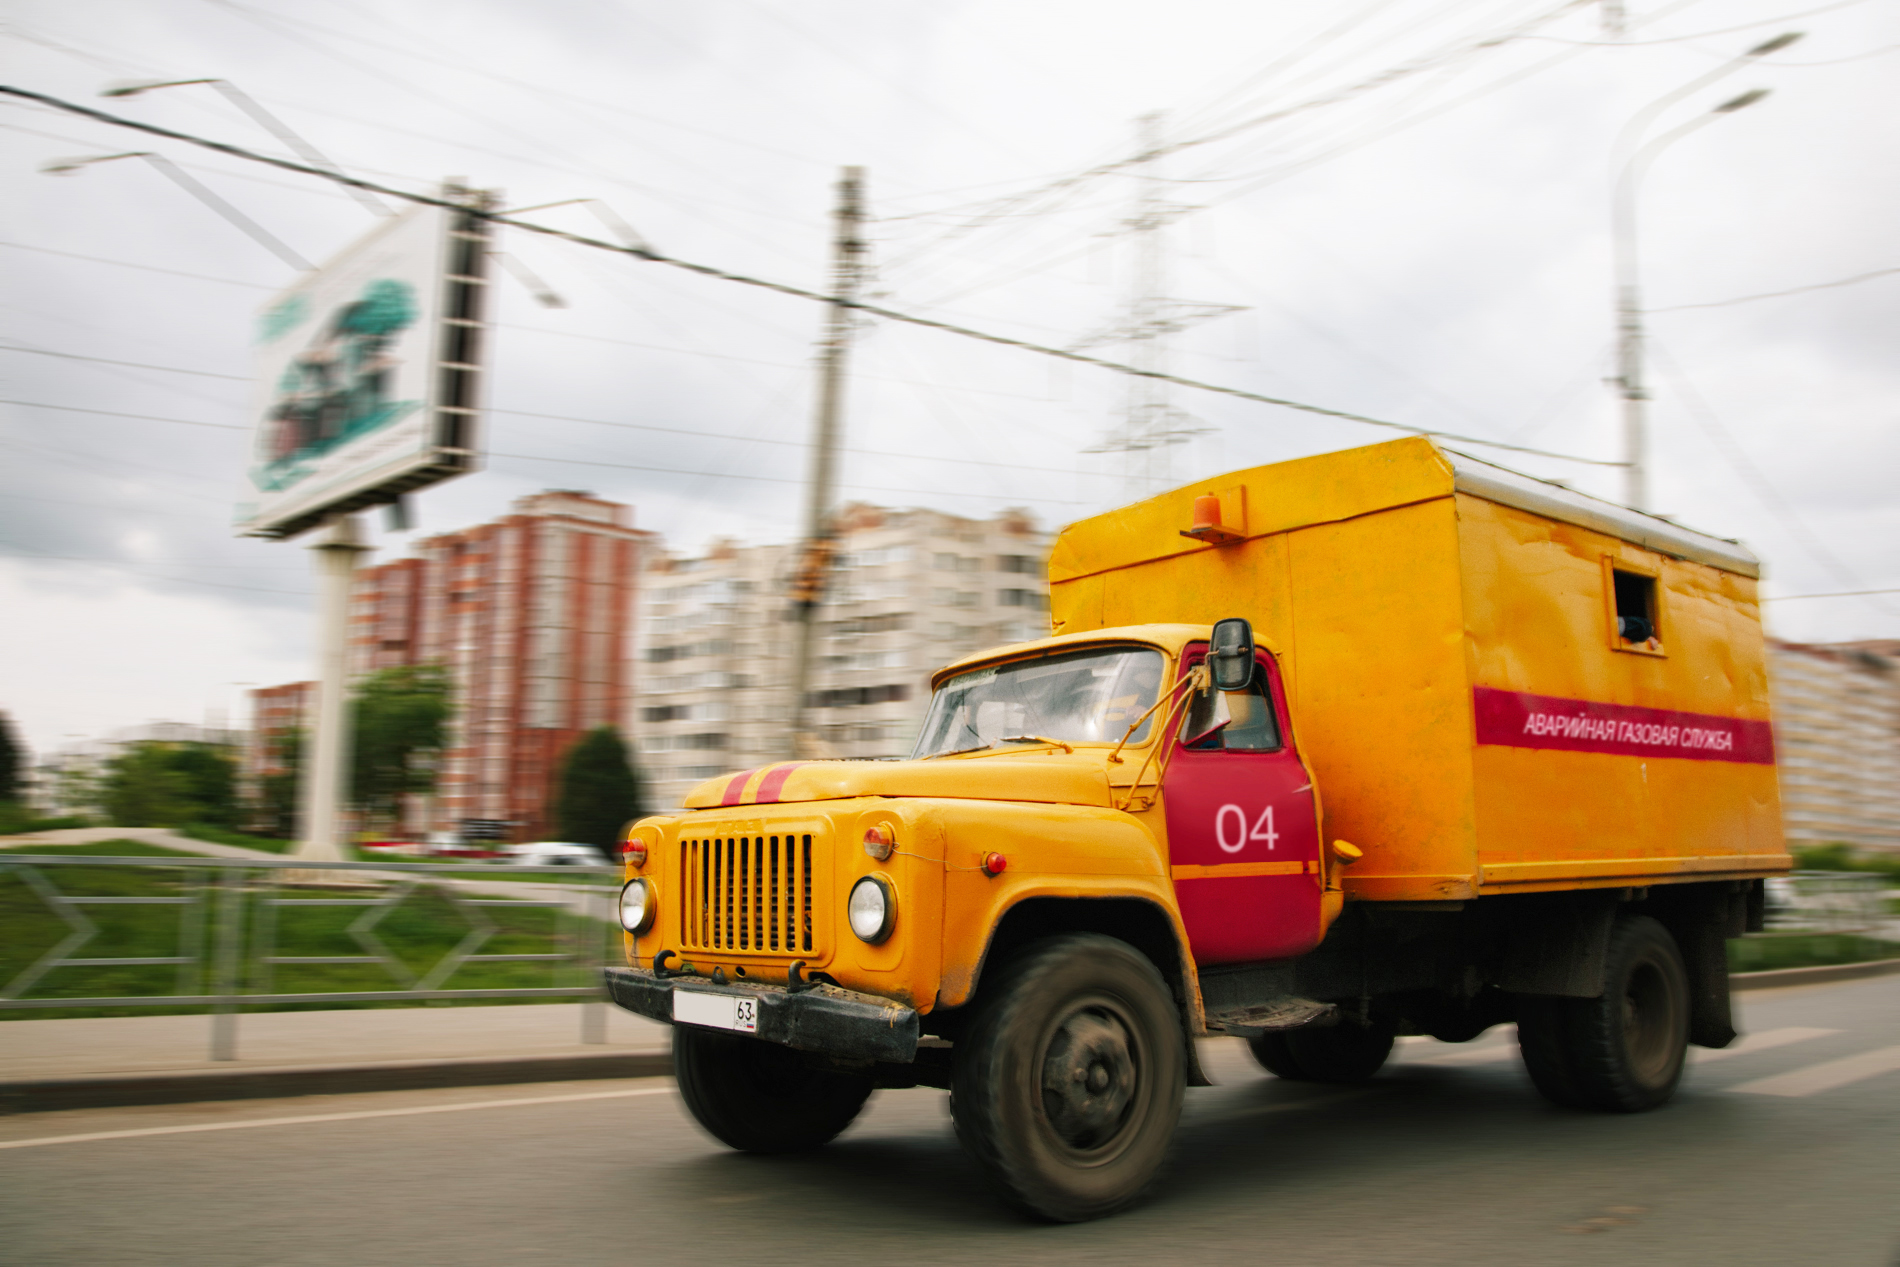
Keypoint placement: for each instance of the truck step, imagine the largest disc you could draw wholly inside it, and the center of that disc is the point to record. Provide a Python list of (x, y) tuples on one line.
[(1286, 1012)]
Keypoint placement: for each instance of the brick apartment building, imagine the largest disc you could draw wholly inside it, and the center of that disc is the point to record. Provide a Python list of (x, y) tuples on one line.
[(910, 590), (1837, 740), (276, 711), (533, 616)]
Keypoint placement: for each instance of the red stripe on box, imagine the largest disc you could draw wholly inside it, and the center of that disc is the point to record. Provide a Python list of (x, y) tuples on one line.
[(1517, 719), (774, 781), (735, 790)]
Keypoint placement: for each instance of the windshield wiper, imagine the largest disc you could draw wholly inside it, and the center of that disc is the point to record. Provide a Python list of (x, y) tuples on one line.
[(1058, 743)]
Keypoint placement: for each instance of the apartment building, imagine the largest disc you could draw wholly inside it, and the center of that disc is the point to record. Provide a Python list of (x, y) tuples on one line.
[(1837, 740), (909, 591), (533, 616)]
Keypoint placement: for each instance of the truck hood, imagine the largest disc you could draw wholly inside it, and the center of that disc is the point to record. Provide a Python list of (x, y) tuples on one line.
[(1052, 778)]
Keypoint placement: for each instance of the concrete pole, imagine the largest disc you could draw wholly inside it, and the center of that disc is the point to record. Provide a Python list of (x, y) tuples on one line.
[(324, 778), (847, 271)]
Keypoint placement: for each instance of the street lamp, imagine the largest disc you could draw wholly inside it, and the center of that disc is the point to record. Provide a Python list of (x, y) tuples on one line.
[(1629, 307), (270, 123), (196, 188)]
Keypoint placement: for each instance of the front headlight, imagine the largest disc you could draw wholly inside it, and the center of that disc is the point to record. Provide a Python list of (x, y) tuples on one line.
[(872, 909), (636, 906)]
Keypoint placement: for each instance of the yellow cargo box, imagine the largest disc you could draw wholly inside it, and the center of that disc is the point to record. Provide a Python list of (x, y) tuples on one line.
[(1501, 685)]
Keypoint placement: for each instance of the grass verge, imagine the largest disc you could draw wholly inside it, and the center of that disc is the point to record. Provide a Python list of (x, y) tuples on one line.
[(1764, 952)]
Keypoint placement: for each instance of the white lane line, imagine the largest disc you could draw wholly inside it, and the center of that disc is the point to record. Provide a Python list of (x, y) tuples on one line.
[(357, 1116), (1767, 1039), (1826, 1076)]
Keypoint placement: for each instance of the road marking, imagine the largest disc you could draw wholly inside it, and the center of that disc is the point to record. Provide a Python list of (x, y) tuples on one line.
[(1768, 1038), (1826, 1076), (359, 1115)]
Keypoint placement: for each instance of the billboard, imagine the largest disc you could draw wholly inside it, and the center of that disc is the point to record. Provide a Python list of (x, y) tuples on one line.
[(367, 373)]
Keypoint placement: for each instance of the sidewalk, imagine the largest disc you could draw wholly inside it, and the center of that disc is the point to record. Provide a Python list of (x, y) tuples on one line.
[(95, 1062)]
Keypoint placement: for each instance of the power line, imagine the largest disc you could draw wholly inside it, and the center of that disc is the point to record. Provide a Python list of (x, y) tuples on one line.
[(150, 268), (1777, 294), (651, 255), (110, 413), (137, 365), (1784, 598), (797, 444), (120, 567), (769, 479)]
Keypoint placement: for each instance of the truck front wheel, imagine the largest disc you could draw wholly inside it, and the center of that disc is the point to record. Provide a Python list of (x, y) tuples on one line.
[(1069, 1082), (759, 1097), (1624, 1051)]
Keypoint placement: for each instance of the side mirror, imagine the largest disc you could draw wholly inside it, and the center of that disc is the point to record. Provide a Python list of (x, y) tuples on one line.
[(1230, 654)]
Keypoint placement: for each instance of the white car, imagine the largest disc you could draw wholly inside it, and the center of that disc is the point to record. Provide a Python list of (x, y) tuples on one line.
[(556, 853)]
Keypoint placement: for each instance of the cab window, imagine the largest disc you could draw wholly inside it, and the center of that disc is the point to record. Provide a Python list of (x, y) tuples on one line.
[(1251, 725)]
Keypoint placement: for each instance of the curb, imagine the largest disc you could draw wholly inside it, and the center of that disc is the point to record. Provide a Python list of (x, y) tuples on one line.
[(42, 1095), (1812, 976)]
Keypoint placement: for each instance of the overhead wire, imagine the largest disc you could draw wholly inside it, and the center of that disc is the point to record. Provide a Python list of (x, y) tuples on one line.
[(1781, 294), (710, 271)]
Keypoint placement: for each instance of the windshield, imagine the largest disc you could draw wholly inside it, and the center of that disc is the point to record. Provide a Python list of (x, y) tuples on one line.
[(1079, 697)]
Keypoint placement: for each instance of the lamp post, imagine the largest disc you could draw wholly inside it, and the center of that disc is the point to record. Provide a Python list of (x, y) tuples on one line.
[(268, 121), (197, 189), (1631, 163)]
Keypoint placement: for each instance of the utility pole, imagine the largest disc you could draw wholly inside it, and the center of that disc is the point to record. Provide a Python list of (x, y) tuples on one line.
[(808, 585)]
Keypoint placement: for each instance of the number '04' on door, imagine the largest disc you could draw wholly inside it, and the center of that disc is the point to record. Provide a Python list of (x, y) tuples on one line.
[(1232, 833)]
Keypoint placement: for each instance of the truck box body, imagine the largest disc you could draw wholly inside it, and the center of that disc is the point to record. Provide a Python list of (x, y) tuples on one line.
[(1449, 635)]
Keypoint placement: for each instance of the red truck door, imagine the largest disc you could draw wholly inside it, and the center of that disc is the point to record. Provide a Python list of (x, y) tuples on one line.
[(1243, 837)]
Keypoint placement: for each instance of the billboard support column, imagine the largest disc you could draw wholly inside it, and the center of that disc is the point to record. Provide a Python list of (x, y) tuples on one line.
[(324, 779)]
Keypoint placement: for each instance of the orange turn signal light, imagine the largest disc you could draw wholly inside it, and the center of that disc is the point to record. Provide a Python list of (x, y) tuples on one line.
[(994, 863), (879, 840)]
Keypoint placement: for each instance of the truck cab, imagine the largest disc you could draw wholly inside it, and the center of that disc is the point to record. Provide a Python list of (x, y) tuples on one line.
[(1284, 810)]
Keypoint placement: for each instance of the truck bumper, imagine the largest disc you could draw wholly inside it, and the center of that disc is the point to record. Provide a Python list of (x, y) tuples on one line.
[(824, 1019)]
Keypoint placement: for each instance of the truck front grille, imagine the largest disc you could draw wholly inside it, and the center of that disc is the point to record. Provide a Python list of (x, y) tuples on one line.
[(748, 893)]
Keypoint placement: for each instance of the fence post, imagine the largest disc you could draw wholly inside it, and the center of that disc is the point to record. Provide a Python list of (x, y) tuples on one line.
[(594, 1010), (225, 971)]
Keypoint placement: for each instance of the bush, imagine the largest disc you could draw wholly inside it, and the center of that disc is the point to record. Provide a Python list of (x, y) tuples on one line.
[(16, 819), (1839, 856)]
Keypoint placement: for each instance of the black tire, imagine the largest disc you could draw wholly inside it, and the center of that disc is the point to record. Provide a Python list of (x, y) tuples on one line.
[(760, 1097), (1069, 1082), (1342, 1053), (1624, 1052), (1270, 1052)]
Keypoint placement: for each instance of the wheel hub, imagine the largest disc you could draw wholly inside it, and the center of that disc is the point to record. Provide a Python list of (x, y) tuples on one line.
[(1088, 1078)]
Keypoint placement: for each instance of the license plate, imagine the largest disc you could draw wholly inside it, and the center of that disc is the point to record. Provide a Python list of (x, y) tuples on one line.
[(717, 1011)]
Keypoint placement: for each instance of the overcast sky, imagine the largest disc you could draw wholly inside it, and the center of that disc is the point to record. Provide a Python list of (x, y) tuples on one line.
[(1406, 201)]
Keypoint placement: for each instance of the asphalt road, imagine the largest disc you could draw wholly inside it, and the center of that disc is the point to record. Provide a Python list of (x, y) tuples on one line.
[(1786, 1151)]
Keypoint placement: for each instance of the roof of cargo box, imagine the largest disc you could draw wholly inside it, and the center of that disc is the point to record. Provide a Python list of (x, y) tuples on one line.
[(1566, 505), (1331, 487)]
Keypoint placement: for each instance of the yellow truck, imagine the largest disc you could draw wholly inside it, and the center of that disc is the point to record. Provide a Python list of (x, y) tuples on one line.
[(1383, 742)]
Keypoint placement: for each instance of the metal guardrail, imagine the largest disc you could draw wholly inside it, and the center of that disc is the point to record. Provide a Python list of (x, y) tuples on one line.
[(1828, 901), (227, 939)]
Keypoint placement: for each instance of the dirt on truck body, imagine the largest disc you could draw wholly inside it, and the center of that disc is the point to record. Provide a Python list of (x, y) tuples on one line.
[(1389, 741)]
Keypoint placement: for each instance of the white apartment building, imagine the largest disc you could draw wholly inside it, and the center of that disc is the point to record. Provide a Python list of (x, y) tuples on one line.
[(909, 591), (1837, 741)]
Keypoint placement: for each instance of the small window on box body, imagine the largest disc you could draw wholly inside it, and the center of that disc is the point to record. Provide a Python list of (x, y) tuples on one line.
[(1635, 607)]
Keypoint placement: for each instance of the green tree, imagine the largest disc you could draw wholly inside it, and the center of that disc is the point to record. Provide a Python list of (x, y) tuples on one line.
[(398, 724), (142, 787), (598, 790), (12, 756)]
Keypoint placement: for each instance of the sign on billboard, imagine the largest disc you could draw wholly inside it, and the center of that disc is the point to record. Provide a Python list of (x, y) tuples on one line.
[(367, 374)]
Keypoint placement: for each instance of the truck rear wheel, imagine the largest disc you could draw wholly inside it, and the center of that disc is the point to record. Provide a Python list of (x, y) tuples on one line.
[(1069, 1081), (1622, 1052), (760, 1097), (1343, 1053)]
